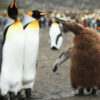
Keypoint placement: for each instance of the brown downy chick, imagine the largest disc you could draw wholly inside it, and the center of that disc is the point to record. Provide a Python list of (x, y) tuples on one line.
[(85, 57)]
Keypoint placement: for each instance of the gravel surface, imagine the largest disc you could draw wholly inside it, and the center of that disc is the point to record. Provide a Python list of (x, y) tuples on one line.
[(49, 85)]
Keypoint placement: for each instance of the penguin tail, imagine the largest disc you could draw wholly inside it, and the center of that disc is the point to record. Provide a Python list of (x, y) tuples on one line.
[(62, 58)]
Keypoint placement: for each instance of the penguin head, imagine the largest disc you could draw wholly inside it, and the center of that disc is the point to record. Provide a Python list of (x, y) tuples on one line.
[(37, 14), (13, 10)]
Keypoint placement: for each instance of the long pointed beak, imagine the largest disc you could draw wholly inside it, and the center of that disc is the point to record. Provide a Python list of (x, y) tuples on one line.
[(43, 13), (30, 13), (13, 3), (60, 20)]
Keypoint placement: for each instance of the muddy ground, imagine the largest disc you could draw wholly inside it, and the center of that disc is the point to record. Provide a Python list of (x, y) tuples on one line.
[(49, 85)]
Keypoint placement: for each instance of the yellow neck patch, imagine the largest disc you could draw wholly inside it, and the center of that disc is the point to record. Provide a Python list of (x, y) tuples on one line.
[(16, 23), (15, 29), (34, 24)]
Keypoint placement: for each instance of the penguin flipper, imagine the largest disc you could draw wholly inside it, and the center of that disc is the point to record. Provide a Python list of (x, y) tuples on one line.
[(62, 58), (1, 48)]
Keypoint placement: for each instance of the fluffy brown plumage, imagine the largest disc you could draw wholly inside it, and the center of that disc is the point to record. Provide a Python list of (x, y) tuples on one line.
[(85, 57)]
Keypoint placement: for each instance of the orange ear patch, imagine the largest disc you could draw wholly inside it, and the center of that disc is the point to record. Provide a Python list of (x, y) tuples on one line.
[(30, 13)]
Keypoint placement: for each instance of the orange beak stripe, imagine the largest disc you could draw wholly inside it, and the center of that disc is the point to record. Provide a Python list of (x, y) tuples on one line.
[(30, 13), (43, 13), (14, 3)]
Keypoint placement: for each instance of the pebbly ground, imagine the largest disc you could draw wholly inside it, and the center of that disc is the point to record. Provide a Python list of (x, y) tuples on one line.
[(49, 85)]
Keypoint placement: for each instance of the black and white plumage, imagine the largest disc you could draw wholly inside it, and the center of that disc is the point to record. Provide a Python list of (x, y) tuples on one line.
[(55, 34), (31, 29), (12, 55)]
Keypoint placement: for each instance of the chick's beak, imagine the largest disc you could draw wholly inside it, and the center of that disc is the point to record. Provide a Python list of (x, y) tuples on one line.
[(14, 3), (30, 13), (43, 13)]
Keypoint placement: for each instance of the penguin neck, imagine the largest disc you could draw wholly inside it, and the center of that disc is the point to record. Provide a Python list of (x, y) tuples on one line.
[(28, 19), (16, 21), (9, 21)]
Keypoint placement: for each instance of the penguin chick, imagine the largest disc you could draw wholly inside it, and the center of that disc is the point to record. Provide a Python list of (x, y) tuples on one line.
[(85, 55)]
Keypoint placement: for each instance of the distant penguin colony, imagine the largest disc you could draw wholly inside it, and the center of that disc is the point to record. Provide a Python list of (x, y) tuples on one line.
[(12, 55), (85, 55), (55, 34)]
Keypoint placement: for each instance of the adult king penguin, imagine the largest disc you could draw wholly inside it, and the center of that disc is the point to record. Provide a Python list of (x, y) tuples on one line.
[(12, 56), (31, 29), (85, 55), (55, 34)]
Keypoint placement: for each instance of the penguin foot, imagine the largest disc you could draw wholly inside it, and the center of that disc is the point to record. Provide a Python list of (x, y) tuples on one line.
[(80, 92), (54, 48), (93, 92), (28, 93), (4, 97), (76, 92), (20, 96), (12, 96)]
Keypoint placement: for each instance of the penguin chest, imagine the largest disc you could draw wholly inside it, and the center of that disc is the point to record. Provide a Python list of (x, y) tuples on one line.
[(55, 36), (31, 44), (14, 44), (15, 33), (32, 34), (13, 51)]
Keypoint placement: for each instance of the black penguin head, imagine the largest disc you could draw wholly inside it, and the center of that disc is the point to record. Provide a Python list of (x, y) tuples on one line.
[(13, 10), (37, 14)]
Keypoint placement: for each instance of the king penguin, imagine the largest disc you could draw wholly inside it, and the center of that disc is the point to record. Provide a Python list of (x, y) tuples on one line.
[(2, 39), (55, 34), (12, 56), (31, 28)]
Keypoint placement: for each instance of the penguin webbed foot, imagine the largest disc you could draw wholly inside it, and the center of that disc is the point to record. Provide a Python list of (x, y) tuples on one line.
[(80, 92), (28, 93), (12, 96), (5, 97), (20, 96), (76, 92), (93, 92)]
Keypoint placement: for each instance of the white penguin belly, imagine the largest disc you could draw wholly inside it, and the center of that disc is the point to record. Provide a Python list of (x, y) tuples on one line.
[(30, 58), (53, 33), (12, 63)]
